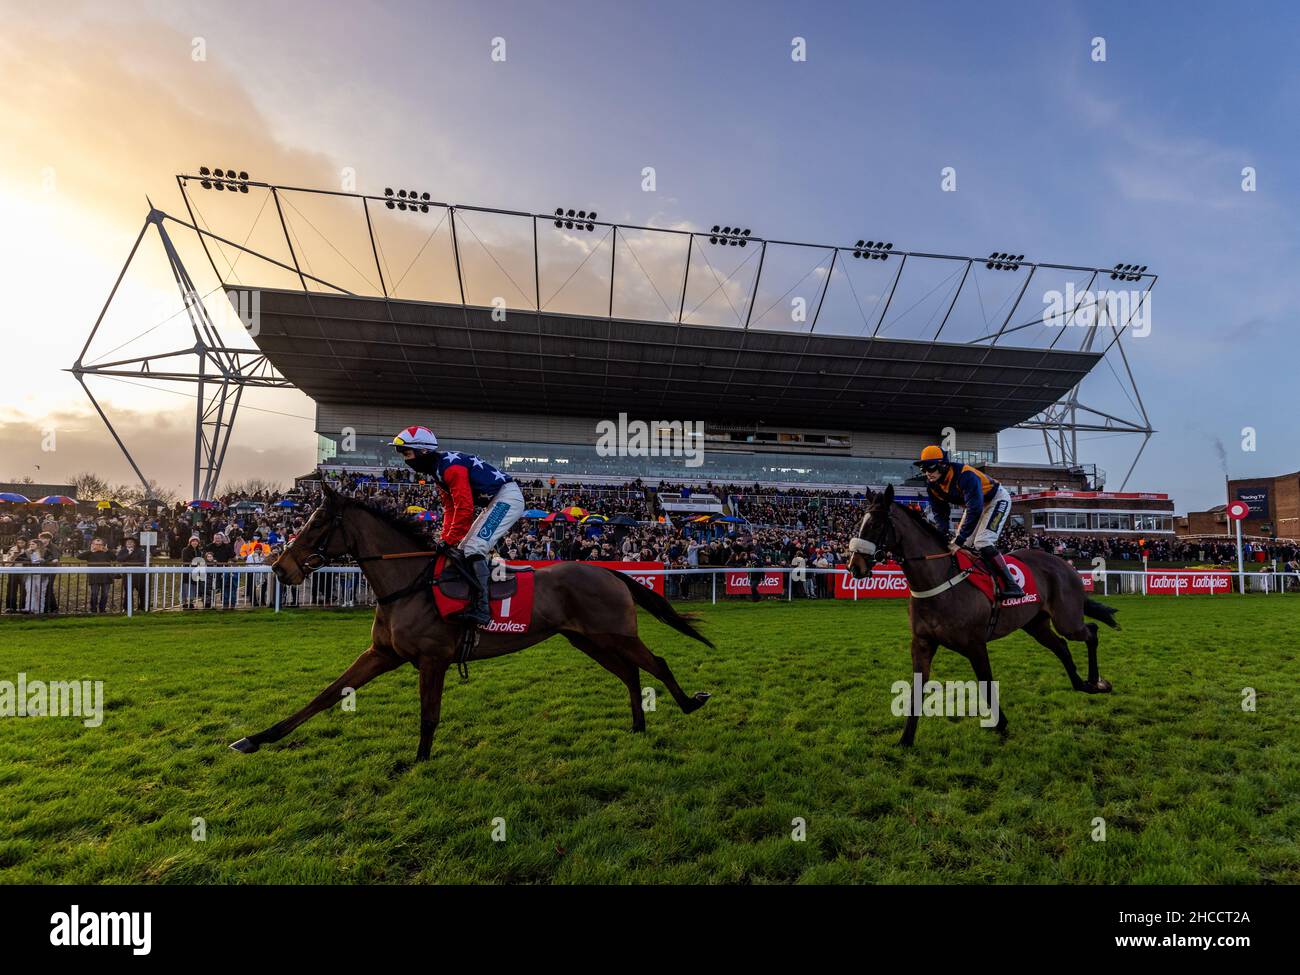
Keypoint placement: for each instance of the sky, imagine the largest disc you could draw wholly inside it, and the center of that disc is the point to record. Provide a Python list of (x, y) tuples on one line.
[(1138, 157)]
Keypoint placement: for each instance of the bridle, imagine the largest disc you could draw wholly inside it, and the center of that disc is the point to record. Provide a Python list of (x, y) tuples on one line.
[(320, 556)]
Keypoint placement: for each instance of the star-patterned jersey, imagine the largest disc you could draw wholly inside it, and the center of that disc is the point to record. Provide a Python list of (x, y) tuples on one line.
[(463, 481)]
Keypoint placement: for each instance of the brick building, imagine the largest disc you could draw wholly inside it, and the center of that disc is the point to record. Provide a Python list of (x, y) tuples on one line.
[(1274, 504)]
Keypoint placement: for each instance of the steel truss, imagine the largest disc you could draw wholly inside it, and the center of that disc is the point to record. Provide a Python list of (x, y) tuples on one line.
[(220, 373)]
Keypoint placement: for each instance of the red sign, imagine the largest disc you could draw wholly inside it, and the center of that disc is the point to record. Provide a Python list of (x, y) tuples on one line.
[(1187, 583), (637, 570), (1088, 584), (770, 583), (886, 582), (1103, 495), (1238, 510)]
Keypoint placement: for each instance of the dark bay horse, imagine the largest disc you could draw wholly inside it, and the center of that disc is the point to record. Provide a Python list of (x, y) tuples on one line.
[(592, 607), (959, 616)]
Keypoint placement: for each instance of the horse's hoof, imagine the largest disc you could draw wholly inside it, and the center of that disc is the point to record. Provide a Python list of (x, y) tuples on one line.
[(245, 745), (904, 743), (702, 696), (1102, 686)]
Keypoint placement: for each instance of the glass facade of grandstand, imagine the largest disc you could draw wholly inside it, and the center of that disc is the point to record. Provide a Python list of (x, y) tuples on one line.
[(526, 460), (1103, 521)]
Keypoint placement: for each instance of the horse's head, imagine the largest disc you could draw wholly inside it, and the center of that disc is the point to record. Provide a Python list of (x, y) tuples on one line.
[(876, 534), (322, 539)]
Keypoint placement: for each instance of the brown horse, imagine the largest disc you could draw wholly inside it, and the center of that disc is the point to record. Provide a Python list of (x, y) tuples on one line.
[(951, 613), (592, 607)]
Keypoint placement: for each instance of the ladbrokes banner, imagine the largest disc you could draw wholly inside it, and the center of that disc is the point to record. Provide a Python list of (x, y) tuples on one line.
[(886, 582), (637, 570), (739, 582), (1187, 583)]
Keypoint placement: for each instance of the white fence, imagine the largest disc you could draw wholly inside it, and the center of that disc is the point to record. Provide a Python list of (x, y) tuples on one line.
[(69, 590)]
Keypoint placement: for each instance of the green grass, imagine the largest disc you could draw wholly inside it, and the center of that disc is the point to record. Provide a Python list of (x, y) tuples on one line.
[(1192, 788)]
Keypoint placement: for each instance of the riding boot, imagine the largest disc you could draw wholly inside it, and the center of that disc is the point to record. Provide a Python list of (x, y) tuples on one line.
[(997, 565), (479, 612)]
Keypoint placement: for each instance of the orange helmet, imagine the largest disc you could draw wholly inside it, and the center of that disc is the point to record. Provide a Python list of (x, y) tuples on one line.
[(931, 457)]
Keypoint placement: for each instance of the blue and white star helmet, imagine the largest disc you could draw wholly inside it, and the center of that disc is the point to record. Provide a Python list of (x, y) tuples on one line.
[(415, 438)]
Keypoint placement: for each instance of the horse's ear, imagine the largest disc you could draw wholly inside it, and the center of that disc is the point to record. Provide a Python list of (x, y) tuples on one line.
[(889, 493), (330, 494)]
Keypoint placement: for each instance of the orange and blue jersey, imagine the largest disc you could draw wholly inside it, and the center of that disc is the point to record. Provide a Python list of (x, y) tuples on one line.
[(961, 485)]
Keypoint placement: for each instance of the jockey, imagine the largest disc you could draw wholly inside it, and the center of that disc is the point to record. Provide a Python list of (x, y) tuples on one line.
[(987, 504), (463, 481)]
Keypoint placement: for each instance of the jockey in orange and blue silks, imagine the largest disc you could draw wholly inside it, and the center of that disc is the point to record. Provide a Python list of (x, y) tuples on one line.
[(465, 481), (987, 504)]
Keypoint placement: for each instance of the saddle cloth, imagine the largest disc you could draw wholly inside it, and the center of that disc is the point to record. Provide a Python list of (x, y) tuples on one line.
[(982, 581), (510, 599)]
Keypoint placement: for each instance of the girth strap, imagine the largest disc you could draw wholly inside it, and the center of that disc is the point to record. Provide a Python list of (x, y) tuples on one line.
[(955, 581)]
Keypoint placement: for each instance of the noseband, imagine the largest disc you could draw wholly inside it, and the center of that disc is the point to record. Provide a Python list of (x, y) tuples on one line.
[(318, 556)]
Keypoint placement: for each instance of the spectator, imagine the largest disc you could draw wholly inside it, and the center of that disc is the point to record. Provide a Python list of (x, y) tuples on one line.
[(100, 583)]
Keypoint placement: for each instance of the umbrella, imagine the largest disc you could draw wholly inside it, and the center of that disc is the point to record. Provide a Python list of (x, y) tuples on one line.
[(426, 516), (204, 504), (623, 520), (414, 509), (534, 513), (285, 503), (109, 505), (559, 516), (574, 511), (595, 518), (15, 498), (699, 518), (733, 519), (246, 506), (56, 499)]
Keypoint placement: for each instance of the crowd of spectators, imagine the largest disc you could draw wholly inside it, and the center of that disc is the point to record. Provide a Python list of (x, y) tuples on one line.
[(778, 529)]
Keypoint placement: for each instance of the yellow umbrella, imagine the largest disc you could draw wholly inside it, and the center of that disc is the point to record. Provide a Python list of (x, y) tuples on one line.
[(414, 509)]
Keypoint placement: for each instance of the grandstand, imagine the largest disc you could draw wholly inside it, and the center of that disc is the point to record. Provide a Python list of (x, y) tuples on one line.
[(513, 334)]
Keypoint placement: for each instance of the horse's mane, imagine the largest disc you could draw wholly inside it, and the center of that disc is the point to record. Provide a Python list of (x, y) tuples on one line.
[(924, 523), (411, 531)]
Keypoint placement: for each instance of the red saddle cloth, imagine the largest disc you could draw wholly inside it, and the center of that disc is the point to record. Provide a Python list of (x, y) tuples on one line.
[(982, 581), (511, 613)]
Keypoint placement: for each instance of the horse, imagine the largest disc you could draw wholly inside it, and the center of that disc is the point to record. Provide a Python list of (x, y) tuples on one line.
[(594, 608), (945, 611)]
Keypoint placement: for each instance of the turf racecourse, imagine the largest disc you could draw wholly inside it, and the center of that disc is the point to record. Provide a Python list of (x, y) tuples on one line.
[(1192, 788)]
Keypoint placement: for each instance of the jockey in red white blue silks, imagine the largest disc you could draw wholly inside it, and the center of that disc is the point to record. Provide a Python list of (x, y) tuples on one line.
[(464, 481), (987, 505)]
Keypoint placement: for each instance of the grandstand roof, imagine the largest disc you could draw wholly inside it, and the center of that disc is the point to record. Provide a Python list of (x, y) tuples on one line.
[(348, 349)]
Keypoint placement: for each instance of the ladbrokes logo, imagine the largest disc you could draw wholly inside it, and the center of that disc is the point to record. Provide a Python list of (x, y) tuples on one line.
[(505, 626), (110, 929)]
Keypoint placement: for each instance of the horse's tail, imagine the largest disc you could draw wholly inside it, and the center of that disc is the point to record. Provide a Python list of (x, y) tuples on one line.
[(1100, 611), (660, 608)]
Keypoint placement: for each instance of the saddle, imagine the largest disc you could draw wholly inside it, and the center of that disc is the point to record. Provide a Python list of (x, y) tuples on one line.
[(451, 578)]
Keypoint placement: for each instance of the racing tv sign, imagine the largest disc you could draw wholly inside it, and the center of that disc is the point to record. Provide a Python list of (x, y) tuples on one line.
[(1255, 499), (1187, 583)]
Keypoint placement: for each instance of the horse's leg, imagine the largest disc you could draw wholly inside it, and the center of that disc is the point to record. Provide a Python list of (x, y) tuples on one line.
[(433, 672), (923, 651), (978, 655), (1087, 633), (364, 669), (621, 668), (1040, 628), (639, 655)]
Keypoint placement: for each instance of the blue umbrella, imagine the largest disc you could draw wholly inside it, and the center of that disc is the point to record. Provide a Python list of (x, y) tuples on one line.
[(14, 498), (534, 513), (285, 503)]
